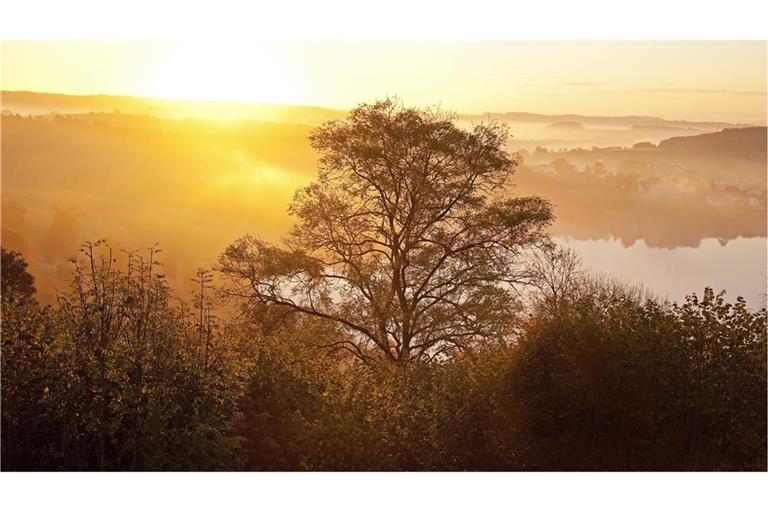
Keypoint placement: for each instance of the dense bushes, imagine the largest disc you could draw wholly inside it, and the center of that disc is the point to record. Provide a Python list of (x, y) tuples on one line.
[(113, 377), (605, 382), (118, 376), (624, 385)]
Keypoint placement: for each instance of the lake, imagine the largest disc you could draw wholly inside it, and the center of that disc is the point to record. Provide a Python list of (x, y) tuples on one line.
[(737, 266)]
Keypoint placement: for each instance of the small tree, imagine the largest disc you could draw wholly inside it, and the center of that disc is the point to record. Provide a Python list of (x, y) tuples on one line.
[(15, 276), (409, 239), (203, 302)]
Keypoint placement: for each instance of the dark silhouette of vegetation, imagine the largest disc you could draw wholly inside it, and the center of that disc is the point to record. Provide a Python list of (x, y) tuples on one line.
[(596, 378), (409, 239), (15, 277), (406, 251), (114, 376)]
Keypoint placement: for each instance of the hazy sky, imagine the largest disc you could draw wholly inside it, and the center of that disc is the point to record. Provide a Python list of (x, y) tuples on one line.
[(718, 80)]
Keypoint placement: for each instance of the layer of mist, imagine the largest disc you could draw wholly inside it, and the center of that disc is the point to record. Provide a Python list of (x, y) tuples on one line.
[(74, 168)]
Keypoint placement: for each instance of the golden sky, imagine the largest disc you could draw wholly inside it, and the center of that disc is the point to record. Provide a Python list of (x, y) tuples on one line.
[(715, 80)]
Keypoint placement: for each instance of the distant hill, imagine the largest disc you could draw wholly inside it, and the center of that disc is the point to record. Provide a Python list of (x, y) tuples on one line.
[(36, 103), (732, 140), (566, 126), (656, 127), (626, 121)]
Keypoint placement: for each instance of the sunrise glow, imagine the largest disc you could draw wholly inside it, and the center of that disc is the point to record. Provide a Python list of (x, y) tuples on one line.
[(210, 71), (723, 80)]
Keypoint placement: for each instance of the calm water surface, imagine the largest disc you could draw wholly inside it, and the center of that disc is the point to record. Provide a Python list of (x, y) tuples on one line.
[(739, 266)]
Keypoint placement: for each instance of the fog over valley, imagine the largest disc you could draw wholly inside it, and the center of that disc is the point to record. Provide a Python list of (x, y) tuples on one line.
[(139, 171)]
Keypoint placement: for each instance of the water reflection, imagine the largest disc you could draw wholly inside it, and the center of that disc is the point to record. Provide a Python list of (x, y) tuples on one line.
[(739, 267)]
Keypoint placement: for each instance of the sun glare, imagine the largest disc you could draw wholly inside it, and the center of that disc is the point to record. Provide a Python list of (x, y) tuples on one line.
[(219, 71)]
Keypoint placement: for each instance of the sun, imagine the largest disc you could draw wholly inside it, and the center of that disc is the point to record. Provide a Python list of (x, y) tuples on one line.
[(252, 73)]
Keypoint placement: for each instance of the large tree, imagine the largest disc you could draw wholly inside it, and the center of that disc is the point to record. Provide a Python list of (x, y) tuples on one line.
[(410, 239)]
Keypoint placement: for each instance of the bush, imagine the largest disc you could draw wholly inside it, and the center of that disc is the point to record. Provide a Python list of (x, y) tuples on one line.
[(117, 376), (620, 384), (114, 376)]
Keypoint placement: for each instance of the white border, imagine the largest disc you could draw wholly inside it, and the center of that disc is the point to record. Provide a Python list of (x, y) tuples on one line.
[(384, 492), (390, 19), (384, 19)]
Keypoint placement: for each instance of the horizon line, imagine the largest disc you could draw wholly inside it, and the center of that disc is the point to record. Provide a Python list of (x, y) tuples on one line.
[(234, 102)]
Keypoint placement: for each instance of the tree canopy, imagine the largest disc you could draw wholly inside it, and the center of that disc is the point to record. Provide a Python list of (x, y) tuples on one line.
[(410, 238), (15, 276)]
